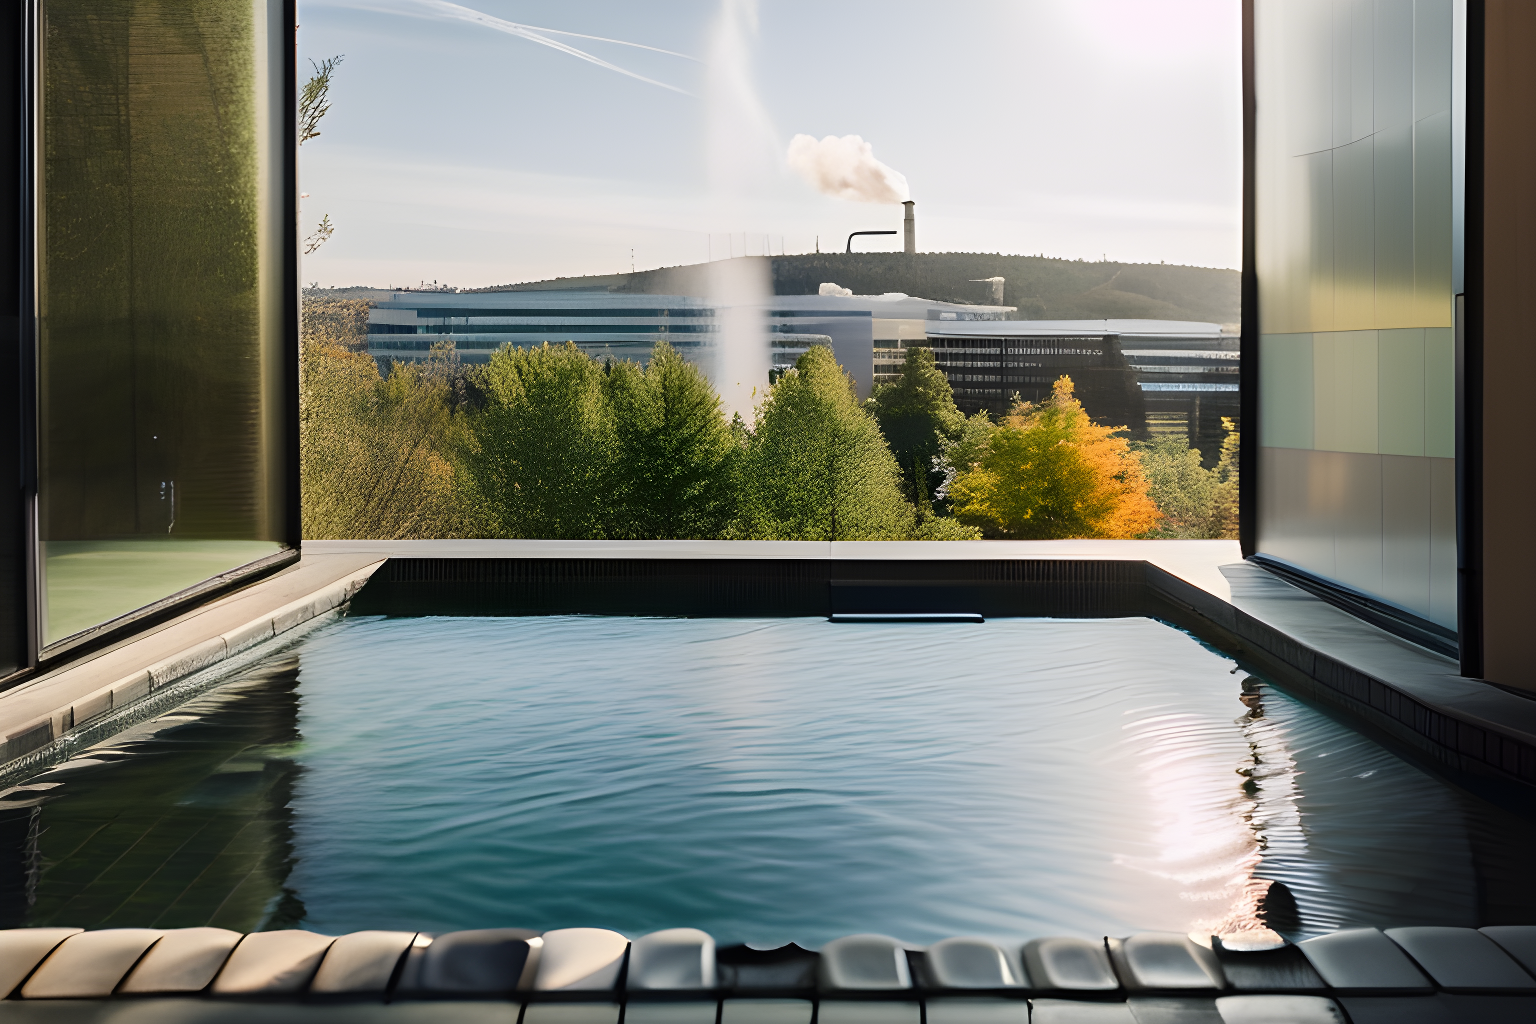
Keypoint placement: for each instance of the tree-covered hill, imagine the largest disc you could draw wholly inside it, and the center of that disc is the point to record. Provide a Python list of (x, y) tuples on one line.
[(1041, 287)]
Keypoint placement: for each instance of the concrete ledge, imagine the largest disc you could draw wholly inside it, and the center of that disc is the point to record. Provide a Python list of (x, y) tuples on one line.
[(46, 711)]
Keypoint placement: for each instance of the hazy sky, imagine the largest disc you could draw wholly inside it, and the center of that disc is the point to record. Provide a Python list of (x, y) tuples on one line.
[(458, 152)]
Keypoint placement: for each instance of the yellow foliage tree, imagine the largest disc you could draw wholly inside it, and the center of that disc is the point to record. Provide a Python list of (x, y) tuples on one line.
[(1049, 472)]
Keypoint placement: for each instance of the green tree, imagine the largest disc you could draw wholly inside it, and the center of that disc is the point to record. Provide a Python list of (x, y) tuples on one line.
[(379, 458), (544, 443), (674, 448), (917, 414), (1226, 480), (817, 466), (1183, 490), (1195, 502), (1048, 471)]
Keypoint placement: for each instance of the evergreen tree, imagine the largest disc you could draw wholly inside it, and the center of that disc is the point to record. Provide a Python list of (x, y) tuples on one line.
[(672, 466), (817, 466), (544, 443), (917, 414), (1051, 472)]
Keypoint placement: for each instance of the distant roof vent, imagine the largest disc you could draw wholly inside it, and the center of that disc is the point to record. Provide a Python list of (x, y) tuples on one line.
[(997, 287)]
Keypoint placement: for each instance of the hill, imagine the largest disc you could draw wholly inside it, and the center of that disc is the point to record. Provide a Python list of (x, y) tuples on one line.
[(1041, 287)]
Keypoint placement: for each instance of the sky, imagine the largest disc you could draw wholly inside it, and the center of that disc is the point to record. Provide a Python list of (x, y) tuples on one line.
[(459, 152)]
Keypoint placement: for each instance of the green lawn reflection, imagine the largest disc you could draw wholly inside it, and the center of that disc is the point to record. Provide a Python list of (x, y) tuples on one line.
[(92, 581)]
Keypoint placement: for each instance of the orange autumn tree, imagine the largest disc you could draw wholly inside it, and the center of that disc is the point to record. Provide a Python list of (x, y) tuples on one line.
[(1049, 472)]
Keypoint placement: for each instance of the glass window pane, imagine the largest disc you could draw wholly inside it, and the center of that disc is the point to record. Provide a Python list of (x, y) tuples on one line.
[(161, 301)]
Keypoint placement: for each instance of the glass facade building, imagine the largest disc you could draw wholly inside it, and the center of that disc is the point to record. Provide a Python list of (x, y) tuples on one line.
[(153, 343), (1357, 133), (408, 325)]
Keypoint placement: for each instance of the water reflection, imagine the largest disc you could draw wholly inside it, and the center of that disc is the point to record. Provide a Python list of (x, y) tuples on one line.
[(182, 821), (766, 780)]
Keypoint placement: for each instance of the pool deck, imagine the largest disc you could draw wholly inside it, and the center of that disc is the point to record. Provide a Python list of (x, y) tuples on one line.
[(1402, 691)]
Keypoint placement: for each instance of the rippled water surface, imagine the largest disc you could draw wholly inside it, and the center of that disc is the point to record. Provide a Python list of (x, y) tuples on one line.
[(766, 780)]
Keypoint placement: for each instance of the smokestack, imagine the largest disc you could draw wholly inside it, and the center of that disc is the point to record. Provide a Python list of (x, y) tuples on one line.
[(910, 226)]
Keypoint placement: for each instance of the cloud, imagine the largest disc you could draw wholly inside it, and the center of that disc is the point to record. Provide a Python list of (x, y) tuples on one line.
[(846, 168)]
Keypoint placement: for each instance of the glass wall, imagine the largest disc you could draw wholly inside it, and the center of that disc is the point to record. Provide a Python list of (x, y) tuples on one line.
[(1358, 260), (163, 183)]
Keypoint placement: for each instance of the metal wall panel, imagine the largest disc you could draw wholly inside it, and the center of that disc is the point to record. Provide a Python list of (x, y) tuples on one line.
[(1354, 246), (1400, 391), (1285, 382), (1407, 528)]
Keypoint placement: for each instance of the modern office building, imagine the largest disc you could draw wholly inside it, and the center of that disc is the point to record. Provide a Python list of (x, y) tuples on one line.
[(407, 325), (607, 325), (1153, 376)]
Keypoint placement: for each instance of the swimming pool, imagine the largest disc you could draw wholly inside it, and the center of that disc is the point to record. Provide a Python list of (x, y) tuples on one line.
[(766, 780)]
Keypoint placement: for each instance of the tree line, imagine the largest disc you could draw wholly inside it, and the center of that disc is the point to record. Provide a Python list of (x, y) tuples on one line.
[(549, 442)]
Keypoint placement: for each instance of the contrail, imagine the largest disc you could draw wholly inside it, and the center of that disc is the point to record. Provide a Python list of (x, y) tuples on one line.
[(450, 10), (621, 42)]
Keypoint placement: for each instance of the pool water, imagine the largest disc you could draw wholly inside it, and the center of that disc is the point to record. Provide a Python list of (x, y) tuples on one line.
[(766, 780)]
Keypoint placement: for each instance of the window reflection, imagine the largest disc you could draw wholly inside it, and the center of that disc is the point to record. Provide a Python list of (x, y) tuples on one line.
[(161, 297)]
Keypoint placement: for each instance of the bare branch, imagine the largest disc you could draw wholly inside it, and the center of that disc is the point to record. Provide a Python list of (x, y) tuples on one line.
[(320, 236)]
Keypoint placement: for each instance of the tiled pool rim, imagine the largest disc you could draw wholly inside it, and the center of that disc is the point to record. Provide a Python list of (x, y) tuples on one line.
[(679, 975)]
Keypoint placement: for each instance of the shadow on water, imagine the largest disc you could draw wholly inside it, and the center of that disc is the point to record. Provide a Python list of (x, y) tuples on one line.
[(181, 821)]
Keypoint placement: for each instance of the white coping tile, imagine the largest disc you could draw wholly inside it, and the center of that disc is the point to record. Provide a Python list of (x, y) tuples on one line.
[(272, 963), (571, 1013), (361, 962), (835, 1011), (1462, 959), (702, 1012), (89, 965), (248, 634), (580, 959), (91, 706), (131, 688), (977, 1011), (765, 1011), (1067, 1011), (1278, 1010), (184, 960)]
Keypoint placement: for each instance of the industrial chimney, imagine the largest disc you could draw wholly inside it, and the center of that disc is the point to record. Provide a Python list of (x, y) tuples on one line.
[(910, 224)]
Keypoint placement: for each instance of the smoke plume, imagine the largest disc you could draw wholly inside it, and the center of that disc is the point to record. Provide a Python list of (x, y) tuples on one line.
[(847, 169)]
